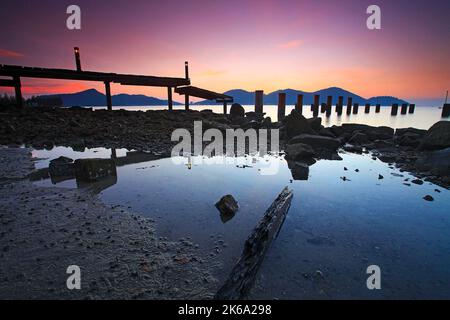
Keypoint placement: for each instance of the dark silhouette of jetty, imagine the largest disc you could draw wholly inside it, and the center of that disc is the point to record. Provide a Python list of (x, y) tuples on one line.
[(18, 72)]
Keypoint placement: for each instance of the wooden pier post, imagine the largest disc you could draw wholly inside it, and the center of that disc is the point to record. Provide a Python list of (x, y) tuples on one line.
[(18, 91), (186, 102), (259, 101), (186, 70), (169, 98), (367, 108), (281, 106), (77, 58), (329, 106), (355, 108), (316, 105), (225, 111), (186, 75), (299, 105), (349, 105), (108, 95), (412, 108), (446, 110), (404, 108), (394, 109), (340, 105), (378, 108), (323, 107)]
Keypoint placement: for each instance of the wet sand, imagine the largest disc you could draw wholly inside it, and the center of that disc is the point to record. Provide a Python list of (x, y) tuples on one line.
[(45, 230)]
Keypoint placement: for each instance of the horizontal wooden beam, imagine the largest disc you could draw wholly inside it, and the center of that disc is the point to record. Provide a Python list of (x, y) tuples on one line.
[(203, 93), (7, 83), (67, 74)]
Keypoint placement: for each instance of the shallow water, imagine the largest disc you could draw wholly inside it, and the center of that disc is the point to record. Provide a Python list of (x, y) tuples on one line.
[(333, 226), (423, 117)]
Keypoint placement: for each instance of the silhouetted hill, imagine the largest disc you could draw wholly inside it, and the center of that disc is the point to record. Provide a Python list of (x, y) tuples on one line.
[(248, 98), (385, 100), (94, 98)]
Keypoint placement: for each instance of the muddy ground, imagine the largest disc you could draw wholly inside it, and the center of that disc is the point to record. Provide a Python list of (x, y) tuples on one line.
[(45, 230)]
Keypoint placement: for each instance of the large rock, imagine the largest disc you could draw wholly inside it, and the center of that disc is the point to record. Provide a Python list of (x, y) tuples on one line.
[(437, 137), (315, 123), (359, 138), (227, 205), (372, 133), (299, 170), (61, 167), (402, 131), (90, 170), (316, 141), (237, 111), (437, 162), (296, 124), (299, 151), (409, 139)]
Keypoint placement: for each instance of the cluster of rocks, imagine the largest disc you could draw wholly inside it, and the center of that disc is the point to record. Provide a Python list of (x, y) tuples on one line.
[(425, 153)]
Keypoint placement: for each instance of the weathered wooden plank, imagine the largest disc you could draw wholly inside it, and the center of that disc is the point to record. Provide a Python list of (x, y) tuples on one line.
[(67, 74), (244, 272)]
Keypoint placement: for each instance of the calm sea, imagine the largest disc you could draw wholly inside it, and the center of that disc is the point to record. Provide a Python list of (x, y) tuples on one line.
[(423, 117)]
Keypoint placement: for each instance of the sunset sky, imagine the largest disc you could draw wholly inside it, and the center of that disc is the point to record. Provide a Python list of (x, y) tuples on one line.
[(260, 44)]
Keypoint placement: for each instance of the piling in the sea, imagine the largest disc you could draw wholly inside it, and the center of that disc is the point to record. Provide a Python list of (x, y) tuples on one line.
[(259, 103), (446, 110), (394, 109), (367, 108), (169, 98), (108, 95), (340, 105), (349, 105), (378, 108), (299, 105), (404, 108), (281, 106), (412, 108), (316, 105), (355, 108), (323, 107)]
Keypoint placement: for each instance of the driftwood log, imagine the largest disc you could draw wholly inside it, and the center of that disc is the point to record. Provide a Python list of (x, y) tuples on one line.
[(244, 272)]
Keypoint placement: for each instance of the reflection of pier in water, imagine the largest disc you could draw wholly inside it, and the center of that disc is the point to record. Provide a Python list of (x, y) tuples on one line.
[(96, 174)]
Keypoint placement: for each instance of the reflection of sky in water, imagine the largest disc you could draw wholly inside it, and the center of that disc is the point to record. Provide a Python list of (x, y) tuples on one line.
[(333, 226), (423, 118)]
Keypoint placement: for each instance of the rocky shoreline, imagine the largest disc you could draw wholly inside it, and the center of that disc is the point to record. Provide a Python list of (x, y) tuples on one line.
[(425, 153), (45, 230)]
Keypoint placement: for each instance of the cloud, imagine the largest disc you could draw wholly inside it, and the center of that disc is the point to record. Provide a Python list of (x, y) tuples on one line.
[(10, 54), (291, 44)]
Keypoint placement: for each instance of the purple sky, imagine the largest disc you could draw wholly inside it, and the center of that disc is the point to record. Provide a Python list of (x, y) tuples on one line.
[(269, 45)]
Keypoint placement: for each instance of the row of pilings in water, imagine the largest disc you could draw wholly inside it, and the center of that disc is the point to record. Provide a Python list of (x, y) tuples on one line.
[(316, 107)]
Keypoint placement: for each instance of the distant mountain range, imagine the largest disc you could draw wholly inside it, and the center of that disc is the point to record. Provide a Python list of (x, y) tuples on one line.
[(248, 98), (94, 98)]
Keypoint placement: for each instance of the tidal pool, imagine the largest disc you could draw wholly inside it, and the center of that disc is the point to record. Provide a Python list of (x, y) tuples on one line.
[(333, 231)]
